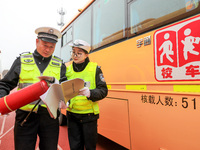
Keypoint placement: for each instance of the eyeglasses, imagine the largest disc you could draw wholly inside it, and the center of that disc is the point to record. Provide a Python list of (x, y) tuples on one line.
[(75, 54)]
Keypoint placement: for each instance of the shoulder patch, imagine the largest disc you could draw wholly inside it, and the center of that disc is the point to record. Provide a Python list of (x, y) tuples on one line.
[(101, 77)]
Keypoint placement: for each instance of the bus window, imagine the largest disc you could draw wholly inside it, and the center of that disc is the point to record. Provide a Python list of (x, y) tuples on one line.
[(82, 27), (69, 35), (145, 14), (65, 49), (108, 21), (64, 39), (65, 53)]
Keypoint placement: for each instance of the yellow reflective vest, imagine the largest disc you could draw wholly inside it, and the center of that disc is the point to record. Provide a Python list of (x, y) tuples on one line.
[(30, 72), (80, 104)]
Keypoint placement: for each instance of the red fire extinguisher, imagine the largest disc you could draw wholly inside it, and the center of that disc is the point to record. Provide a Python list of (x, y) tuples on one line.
[(22, 97)]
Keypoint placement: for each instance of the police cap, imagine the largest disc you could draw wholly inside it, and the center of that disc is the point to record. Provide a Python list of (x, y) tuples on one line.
[(48, 34)]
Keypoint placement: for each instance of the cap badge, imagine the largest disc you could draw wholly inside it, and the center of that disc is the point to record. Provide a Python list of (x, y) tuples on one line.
[(77, 43), (50, 31)]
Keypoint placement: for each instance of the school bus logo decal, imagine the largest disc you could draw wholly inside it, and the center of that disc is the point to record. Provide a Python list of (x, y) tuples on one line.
[(177, 51)]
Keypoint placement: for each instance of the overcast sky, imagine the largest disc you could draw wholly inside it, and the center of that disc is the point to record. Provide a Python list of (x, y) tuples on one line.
[(20, 18)]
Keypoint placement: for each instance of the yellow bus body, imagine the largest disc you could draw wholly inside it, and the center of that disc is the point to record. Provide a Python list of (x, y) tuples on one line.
[(137, 125), (140, 112)]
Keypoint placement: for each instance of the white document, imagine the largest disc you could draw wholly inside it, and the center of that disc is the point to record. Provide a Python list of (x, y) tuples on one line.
[(57, 92)]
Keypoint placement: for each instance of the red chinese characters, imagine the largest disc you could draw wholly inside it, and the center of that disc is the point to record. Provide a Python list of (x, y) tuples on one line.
[(177, 51)]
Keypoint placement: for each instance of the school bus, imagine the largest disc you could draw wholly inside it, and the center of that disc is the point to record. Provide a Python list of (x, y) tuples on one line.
[(149, 52)]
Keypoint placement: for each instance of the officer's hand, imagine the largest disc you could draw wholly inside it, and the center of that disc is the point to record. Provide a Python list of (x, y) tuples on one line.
[(85, 92), (54, 81), (49, 79), (62, 105)]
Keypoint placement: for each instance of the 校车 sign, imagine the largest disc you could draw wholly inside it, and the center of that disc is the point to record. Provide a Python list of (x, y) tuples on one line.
[(177, 51)]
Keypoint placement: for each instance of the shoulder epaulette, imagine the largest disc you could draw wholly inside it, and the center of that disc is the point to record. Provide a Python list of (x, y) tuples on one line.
[(25, 53), (55, 58)]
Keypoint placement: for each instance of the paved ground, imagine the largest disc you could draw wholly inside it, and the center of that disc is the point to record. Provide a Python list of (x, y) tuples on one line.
[(7, 140)]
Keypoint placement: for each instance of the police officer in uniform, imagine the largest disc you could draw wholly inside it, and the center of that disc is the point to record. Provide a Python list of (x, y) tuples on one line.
[(83, 110), (24, 71)]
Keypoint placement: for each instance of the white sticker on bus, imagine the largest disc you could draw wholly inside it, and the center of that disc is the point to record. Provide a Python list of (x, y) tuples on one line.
[(177, 51)]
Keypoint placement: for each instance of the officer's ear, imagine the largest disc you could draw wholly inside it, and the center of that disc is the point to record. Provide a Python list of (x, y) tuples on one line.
[(37, 42)]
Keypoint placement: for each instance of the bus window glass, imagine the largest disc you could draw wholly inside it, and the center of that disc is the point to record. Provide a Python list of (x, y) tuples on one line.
[(65, 49), (69, 35), (64, 39), (148, 14), (82, 27), (108, 22), (57, 50), (65, 53)]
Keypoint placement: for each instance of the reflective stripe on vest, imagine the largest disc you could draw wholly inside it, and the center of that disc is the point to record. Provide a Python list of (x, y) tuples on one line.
[(30, 72), (80, 104)]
